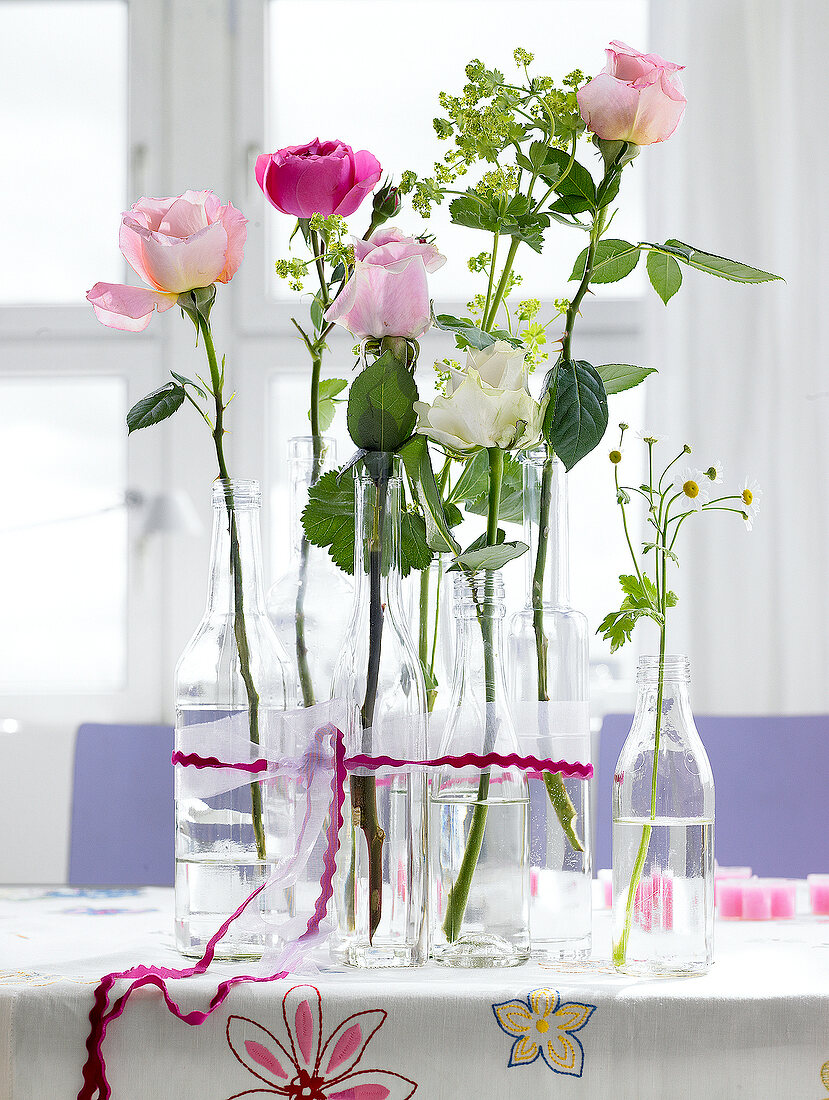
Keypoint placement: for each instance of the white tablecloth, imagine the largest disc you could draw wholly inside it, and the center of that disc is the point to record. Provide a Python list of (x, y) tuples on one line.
[(756, 1026)]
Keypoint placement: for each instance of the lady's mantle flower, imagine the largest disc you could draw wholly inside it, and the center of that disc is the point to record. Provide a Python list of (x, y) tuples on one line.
[(308, 1067), (689, 482), (542, 1025)]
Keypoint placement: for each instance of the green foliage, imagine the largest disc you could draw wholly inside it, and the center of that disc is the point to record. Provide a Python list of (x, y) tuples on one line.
[(577, 183), (185, 381), (472, 487), (612, 261), (328, 521), (576, 419), (488, 557), (622, 376), (328, 400), (712, 264), (468, 335), (641, 601), (665, 275), (155, 407), (381, 414), (418, 464)]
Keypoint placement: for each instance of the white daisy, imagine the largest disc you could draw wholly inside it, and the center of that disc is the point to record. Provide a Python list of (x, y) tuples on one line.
[(714, 473), (689, 481), (750, 494), (651, 437)]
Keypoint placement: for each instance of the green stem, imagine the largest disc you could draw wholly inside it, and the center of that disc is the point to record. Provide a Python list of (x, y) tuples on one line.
[(364, 787), (489, 319), (239, 628), (554, 782), (459, 894)]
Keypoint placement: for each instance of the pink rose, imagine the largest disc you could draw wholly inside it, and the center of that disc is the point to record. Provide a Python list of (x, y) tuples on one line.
[(637, 97), (175, 245), (388, 292), (322, 177)]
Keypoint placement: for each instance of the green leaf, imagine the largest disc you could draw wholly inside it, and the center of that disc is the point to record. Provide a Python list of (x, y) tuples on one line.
[(328, 390), (665, 275), (713, 264), (474, 212), (571, 204), (647, 547), (480, 542), (612, 261), (328, 518), (468, 335), (185, 381), (317, 310), (155, 407), (577, 422), (414, 549), (617, 627), (639, 593), (474, 481), (511, 504), (578, 180), (622, 376), (418, 463), (381, 414), (489, 557)]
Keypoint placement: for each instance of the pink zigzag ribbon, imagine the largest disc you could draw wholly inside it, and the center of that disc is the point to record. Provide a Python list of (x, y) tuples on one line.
[(94, 1071), (95, 1083)]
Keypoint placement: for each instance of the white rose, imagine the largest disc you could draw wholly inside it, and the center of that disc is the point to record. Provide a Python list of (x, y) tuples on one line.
[(500, 365), (477, 414)]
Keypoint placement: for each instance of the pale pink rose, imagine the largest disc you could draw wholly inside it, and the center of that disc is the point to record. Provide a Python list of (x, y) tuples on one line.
[(637, 97), (175, 245), (322, 177), (388, 292)]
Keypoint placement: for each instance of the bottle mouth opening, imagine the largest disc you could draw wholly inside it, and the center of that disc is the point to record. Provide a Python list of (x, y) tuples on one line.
[(301, 448), (233, 492), (485, 587), (673, 666)]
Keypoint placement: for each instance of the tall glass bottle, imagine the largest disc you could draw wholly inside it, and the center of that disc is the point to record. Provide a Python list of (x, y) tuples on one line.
[(432, 611), (230, 681), (549, 678), (310, 603), (479, 818), (663, 831), (382, 879)]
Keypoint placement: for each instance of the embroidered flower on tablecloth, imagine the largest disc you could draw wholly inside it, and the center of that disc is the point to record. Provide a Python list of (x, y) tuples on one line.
[(308, 1067), (543, 1025)]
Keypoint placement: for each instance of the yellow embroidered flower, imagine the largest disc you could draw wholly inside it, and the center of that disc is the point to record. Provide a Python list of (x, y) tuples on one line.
[(542, 1025)]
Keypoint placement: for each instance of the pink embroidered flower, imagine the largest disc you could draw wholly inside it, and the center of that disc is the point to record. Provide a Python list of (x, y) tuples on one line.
[(308, 1067), (542, 1025)]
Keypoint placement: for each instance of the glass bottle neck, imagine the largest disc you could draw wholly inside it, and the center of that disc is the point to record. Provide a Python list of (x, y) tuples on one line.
[(305, 467), (545, 514), (377, 542), (675, 699), (236, 550), (480, 610)]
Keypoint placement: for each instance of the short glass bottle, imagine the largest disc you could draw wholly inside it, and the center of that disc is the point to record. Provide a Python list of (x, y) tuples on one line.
[(230, 680), (381, 885), (663, 832), (479, 819), (549, 693), (310, 603)]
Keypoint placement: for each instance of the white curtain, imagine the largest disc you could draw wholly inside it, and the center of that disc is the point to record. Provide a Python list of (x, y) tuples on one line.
[(744, 370)]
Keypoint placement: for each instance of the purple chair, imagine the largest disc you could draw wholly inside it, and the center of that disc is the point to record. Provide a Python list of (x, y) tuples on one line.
[(771, 776), (122, 807)]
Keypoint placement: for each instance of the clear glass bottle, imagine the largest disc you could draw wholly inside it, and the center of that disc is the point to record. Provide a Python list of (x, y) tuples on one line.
[(230, 680), (431, 591), (549, 692), (663, 832), (479, 820), (381, 885), (309, 604)]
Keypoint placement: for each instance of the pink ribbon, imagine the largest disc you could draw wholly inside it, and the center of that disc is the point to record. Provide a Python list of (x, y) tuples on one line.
[(95, 1080)]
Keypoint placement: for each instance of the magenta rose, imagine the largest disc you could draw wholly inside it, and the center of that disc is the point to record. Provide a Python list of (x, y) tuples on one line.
[(388, 292), (175, 245), (322, 177), (637, 97)]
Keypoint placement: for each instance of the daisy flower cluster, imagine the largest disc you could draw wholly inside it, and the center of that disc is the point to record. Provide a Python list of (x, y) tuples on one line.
[(671, 496)]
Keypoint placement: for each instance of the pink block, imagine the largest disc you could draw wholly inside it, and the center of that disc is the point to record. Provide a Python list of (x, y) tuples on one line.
[(730, 898), (732, 872), (783, 896), (819, 893), (663, 900), (605, 877), (643, 905), (756, 900), (533, 882)]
